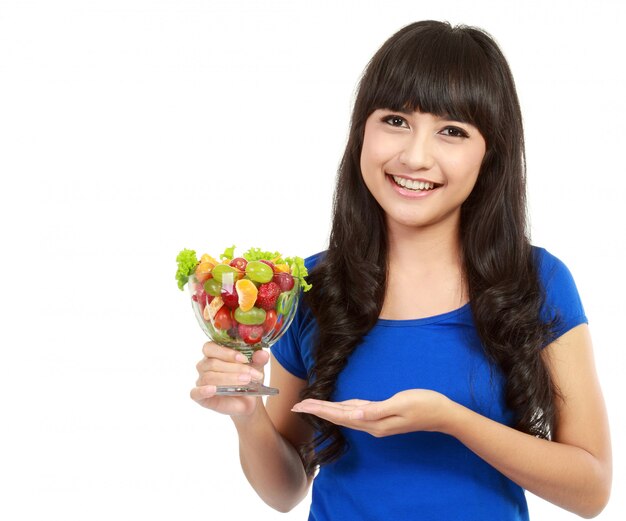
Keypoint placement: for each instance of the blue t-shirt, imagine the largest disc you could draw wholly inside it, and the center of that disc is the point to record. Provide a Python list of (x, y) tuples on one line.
[(426, 476)]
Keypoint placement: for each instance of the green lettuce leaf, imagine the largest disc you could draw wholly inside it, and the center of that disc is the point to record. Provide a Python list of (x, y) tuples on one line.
[(298, 269), (187, 262), (256, 254), (229, 253)]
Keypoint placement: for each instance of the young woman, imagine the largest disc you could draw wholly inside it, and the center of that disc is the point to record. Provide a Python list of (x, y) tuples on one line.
[(441, 365)]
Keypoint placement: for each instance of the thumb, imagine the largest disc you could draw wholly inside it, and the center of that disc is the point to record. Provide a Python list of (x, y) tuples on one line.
[(260, 357)]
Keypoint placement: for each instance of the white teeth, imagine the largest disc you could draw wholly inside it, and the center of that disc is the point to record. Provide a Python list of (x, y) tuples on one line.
[(413, 185)]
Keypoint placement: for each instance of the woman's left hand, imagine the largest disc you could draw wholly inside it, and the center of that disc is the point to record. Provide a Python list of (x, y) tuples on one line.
[(407, 411)]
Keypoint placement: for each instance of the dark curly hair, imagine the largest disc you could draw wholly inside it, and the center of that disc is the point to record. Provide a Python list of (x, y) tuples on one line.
[(461, 73)]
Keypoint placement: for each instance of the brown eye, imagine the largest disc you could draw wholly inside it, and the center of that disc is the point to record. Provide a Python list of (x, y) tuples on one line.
[(454, 132), (396, 121)]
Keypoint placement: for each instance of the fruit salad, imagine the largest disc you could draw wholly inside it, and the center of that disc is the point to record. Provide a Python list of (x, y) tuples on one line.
[(243, 301)]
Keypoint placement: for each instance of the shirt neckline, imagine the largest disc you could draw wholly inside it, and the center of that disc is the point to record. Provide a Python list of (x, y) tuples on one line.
[(388, 322)]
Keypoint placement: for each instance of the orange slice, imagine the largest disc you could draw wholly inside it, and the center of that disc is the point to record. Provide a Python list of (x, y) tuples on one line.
[(203, 270), (247, 292), (207, 258), (282, 267), (211, 310)]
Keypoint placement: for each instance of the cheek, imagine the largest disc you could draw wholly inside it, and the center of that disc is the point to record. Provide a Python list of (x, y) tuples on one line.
[(368, 152), (465, 167), (367, 161), (374, 156), (477, 156)]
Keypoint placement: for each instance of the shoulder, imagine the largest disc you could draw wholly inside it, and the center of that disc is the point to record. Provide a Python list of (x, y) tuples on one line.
[(546, 260), (561, 297), (553, 272)]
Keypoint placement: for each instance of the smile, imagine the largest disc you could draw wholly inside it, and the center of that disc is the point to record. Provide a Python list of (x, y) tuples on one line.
[(411, 184)]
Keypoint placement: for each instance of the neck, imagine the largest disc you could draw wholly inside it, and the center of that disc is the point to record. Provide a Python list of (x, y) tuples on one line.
[(424, 250), (425, 276)]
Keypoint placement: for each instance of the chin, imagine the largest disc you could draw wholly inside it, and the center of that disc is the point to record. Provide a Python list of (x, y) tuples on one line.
[(408, 221), (423, 222)]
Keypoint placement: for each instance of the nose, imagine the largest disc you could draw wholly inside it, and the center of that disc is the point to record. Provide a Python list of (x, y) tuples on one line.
[(417, 153)]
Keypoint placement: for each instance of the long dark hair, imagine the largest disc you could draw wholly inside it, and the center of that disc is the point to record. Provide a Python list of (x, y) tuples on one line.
[(459, 72)]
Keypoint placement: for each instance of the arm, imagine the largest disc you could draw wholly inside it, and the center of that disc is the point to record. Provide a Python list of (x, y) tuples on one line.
[(267, 441), (572, 471), (267, 434)]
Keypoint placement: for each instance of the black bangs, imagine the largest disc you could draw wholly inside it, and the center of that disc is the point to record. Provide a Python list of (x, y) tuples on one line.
[(442, 72)]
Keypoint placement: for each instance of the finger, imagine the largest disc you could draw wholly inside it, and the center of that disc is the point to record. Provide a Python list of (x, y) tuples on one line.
[(205, 396), (215, 378), (325, 403), (355, 402), (329, 411), (346, 405), (346, 411), (227, 354), (309, 405), (376, 411), (260, 358), (215, 364), (198, 394), (353, 419)]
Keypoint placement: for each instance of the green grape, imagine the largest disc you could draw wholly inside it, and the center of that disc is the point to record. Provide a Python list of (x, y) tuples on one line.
[(213, 287), (258, 271), (253, 317), (221, 269)]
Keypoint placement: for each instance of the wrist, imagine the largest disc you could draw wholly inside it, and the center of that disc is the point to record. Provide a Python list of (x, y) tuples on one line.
[(243, 421), (452, 417)]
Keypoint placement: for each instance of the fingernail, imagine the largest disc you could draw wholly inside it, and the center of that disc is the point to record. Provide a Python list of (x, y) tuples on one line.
[(241, 358), (244, 378), (210, 389)]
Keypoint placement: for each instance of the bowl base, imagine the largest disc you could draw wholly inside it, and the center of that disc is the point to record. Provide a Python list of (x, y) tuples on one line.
[(245, 390)]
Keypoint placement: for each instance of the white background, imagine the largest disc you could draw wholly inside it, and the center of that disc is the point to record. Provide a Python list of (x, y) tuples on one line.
[(130, 129)]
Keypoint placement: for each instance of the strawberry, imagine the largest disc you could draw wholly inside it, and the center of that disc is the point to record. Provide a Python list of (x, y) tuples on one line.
[(230, 296), (268, 293), (284, 280), (250, 334)]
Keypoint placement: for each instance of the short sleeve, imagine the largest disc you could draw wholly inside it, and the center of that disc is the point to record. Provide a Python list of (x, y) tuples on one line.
[(562, 300)]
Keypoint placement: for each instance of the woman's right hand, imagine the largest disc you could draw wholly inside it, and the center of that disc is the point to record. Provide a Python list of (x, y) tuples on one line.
[(225, 366)]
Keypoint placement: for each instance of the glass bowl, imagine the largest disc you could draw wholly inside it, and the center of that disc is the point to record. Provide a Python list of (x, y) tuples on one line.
[(243, 314)]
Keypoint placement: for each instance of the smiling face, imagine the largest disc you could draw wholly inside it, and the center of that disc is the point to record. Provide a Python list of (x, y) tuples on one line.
[(420, 167)]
